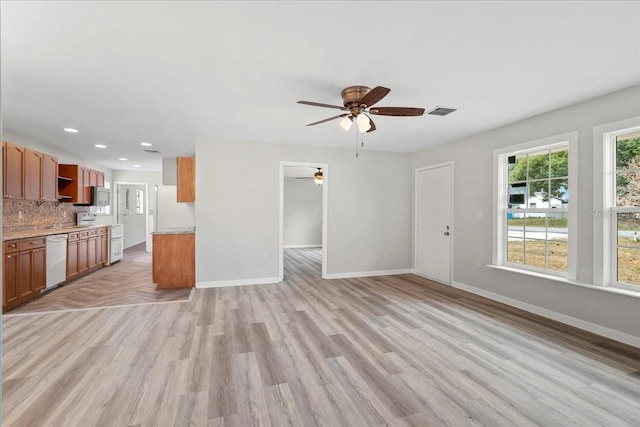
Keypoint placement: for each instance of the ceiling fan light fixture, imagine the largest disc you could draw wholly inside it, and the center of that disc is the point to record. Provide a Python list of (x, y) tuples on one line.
[(317, 177), (364, 123), (346, 123)]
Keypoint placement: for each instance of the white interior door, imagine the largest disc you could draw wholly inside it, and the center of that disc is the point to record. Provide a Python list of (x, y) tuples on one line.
[(131, 213), (433, 223)]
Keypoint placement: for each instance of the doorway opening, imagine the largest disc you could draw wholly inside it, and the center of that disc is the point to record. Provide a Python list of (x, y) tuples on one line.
[(303, 218), (131, 209)]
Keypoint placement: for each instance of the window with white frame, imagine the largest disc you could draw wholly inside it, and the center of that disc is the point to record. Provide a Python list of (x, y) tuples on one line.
[(625, 207), (533, 213)]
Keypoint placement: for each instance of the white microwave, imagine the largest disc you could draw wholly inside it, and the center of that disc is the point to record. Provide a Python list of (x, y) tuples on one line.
[(100, 196)]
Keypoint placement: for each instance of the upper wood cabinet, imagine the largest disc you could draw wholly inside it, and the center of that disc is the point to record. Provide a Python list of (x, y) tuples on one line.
[(13, 160), (75, 182), (32, 174), (186, 179), (29, 174), (49, 190)]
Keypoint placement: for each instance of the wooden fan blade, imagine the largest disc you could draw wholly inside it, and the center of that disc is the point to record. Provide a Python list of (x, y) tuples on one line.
[(397, 111), (329, 119), (319, 104), (374, 95), (373, 125)]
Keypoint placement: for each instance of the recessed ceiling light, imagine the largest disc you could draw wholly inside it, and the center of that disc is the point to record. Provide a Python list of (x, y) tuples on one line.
[(100, 146), (71, 130), (124, 159), (146, 144), (136, 166)]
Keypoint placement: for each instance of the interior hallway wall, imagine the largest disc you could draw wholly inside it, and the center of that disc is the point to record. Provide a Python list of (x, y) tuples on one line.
[(302, 213)]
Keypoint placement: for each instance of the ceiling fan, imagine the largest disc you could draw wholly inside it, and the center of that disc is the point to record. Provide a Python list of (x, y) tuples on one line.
[(317, 177), (358, 101)]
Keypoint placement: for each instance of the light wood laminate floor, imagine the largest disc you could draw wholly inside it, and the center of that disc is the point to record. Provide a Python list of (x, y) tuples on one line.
[(126, 282), (394, 350)]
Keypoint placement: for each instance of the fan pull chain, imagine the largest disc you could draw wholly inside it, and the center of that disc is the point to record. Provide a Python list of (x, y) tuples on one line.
[(356, 144)]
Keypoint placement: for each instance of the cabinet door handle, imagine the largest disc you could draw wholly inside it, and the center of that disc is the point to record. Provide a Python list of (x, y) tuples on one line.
[(8, 256)]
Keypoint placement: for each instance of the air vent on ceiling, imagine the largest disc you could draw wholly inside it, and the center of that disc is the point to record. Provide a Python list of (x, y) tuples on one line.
[(442, 111), (152, 151)]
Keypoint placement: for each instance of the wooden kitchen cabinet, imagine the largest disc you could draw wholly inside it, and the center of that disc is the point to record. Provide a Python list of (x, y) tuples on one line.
[(86, 188), (75, 182), (10, 274), (13, 157), (72, 256), (186, 167), (32, 175), (49, 189), (174, 260), (83, 255), (86, 251), (92, 241), (40, 176), (29, 174), (70, 184), (102, 246), (100, 179), (24, 270)]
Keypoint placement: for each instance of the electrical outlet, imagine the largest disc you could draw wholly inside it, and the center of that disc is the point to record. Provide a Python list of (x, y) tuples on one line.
[(265, 256), (478, 263), (19, 214)]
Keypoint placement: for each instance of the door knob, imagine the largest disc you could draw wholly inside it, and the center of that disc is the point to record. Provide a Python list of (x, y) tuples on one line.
[(446, 233)]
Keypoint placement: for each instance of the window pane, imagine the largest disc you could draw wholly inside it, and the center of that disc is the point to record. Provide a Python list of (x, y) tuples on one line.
[(539, 194), (628, 154), (559, 193), (515, 250), (535, 245), (535, 253), (560, 162), (557, 258), (629, 229), (517, 170), (538, 165), (558, 226), (628, 188), (517, 195), (629, 265), (515, 225)]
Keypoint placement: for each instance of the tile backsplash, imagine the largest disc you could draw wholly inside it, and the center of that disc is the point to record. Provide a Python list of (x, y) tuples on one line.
[(34, 216)]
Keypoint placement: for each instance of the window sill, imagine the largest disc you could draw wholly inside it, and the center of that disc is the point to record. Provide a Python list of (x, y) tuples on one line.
[(610, 289)]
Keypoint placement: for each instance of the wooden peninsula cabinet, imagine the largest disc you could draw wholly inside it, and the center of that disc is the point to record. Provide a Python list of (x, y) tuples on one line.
[(174, 259)]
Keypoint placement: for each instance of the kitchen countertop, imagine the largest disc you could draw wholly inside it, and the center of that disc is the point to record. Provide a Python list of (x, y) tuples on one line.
[(176, 230), (25, 234)]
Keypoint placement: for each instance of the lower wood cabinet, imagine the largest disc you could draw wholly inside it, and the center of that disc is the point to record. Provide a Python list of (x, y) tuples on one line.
[(24, 272), (174, 260), (86, 251)]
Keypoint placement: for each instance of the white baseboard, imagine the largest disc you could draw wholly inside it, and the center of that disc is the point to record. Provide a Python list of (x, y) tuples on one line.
[(240, 282), (549, 314), (312, 245), (369, 273)]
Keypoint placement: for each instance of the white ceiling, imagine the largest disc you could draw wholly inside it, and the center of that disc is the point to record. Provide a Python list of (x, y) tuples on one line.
[(170, 72)]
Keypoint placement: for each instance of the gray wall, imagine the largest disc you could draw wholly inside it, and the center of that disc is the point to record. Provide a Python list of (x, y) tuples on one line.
[(473, 181), (237, 214), (171, 213), (302, 213)]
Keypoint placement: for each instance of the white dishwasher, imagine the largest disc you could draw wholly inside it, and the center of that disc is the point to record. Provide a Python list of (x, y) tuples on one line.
[(56, 260)]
